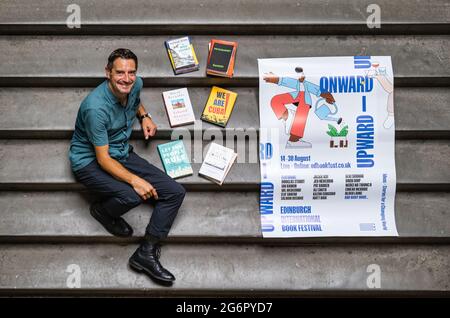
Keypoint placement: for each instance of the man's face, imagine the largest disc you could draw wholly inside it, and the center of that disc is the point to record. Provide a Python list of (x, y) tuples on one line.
[(122, 75)]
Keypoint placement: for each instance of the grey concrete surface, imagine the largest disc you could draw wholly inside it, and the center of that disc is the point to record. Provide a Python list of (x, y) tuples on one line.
[(223, 216), (54, 110), (225, 268), (174, 12), (421, 59), (215, 246), (43, 162)]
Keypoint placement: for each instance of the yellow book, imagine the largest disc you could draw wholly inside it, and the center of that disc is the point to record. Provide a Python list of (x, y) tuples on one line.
[(219, 106)]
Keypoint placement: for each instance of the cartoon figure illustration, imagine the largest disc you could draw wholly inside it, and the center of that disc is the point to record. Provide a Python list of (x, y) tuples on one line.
[(295, 117), (380, 75)]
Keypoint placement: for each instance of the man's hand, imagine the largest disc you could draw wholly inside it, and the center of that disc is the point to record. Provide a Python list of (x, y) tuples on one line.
[(149, 127), (271, 78), (143, 188), (328, 97)]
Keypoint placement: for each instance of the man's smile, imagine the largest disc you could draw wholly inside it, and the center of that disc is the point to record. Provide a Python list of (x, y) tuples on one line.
[(125, 86)]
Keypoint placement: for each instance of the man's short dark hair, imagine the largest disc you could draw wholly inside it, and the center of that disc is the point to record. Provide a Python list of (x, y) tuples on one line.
[(121, 53), (299, 69)]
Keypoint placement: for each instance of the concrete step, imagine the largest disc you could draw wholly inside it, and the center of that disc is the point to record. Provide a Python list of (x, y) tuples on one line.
[(228, 269), (244, 17), (56, 217), (54, 111), (417, 60), (44, 165)]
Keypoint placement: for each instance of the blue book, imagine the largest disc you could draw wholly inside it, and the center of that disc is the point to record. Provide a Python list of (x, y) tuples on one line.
[(174, 158)]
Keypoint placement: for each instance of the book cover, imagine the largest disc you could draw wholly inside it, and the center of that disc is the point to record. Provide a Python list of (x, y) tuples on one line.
[(178, 107), (182, 55), (217, 163), (219, 106), (174, 158), (221, 58)]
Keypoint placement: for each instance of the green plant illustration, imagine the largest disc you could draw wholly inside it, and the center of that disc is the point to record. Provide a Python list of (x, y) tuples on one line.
[(333, 132)]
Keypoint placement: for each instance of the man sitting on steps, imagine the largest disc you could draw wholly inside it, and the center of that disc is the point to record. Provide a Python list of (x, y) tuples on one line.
[(104, 161)]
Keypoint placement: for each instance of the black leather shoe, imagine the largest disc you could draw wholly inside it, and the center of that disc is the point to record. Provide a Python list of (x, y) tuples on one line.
[(146, 259), (115, 226)]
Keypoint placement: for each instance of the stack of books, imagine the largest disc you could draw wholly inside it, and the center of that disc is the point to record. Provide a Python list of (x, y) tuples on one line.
[(182, 55), (221, 58), (217, 163), (218, 108), (174, 158)]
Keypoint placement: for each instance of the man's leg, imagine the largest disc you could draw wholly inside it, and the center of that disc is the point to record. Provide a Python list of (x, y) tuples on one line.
[(116, 198), (278, 104), (170, 196), (298, 126), (282, 112)]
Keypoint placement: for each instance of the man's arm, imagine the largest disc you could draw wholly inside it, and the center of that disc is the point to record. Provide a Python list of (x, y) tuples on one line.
[(315, 89), (271, 78), (281, 81), (114, 168), (141, 110), (148, 126)]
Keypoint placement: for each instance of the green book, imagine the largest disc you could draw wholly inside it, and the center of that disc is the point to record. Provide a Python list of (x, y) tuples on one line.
[(174, 158)]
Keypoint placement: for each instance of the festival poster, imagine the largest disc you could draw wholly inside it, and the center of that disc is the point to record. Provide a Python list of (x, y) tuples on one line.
[(327, 149)]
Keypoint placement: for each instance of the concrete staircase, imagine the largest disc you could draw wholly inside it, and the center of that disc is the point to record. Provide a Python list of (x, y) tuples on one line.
[(215, 246)]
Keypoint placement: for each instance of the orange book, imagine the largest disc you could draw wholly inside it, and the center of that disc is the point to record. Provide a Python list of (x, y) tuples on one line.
[(221, 58)]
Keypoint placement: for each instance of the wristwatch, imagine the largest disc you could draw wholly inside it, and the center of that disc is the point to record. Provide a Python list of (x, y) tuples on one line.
[(141, 117)]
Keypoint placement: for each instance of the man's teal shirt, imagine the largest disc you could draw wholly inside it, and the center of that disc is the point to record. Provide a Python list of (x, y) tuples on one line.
[(102, 120)]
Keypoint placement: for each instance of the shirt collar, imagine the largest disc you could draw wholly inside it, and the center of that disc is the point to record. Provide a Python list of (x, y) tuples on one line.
[(109, 94)]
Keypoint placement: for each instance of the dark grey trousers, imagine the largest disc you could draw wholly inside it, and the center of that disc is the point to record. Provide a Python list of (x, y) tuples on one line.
[(117, 197)]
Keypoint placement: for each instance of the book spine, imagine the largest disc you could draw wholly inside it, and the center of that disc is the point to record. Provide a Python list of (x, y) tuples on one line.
[(170, 56), (186, 69), (194, 55)]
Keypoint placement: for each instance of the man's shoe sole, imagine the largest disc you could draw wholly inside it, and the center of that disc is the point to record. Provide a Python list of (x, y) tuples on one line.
[(139, 268), (95, 216)]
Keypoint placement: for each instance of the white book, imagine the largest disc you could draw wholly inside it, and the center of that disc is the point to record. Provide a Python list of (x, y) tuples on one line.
[(178, 107), (182, 53), (217, 163)]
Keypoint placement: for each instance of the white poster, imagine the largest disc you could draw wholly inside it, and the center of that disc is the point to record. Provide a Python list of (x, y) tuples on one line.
[(327, 146)]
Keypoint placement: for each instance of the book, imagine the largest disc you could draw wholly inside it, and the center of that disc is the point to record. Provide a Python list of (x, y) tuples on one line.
[(174, 158), (219, 106), (217, 163), (178, 107), (221, 57), (182, 55)]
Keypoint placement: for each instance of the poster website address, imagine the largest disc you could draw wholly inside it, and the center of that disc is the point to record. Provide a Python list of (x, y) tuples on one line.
[(322, 165), (328, 164)]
